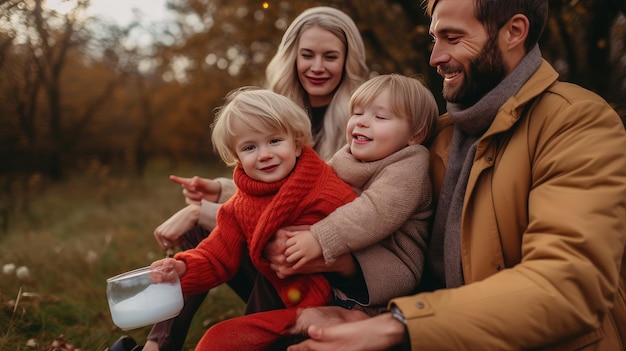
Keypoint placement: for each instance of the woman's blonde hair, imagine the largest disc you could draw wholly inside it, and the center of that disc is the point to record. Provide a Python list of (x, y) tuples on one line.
[(282, 76), (261, 110), (409, 98)]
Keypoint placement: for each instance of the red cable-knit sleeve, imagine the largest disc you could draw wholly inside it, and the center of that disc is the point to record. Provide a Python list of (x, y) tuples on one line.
[(217, 258)]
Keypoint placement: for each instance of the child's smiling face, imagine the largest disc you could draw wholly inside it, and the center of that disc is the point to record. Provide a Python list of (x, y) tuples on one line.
[(375, 132), (266, 156)]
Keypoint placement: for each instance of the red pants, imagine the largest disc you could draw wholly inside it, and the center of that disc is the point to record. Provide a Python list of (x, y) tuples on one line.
[(252, 332)]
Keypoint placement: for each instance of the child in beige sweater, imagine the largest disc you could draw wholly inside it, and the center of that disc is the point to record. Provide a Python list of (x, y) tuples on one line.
[(385, 161)]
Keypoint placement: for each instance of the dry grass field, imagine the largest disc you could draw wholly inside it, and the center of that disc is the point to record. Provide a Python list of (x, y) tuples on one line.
[(64, 243)]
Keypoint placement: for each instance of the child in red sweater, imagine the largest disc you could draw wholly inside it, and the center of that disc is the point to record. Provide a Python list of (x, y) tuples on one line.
[(280, 181)]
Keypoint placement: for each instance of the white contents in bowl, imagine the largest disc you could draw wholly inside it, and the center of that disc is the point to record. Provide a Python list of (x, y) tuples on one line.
[(156, 303)]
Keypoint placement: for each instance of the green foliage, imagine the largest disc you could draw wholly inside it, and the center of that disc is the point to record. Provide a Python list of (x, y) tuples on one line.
[(72, 238)]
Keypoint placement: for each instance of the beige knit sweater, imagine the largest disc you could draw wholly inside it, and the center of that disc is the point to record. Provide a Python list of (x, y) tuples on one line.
[(387, 226)]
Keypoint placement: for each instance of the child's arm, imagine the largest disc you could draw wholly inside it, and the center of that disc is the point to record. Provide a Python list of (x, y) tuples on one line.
[(394, 195), (216, 258), (302, 247)]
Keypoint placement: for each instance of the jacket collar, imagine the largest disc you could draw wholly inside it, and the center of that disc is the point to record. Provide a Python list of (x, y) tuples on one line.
[(512, 109)]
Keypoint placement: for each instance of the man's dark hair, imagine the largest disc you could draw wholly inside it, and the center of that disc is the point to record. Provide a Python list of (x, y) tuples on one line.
[(495, 13)]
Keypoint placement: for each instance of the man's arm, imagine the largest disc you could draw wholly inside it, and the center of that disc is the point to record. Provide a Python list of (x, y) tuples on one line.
[(571, 248)]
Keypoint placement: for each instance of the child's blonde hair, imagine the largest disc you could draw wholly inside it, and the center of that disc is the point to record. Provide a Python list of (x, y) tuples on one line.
[(409, 98), (261, 110)]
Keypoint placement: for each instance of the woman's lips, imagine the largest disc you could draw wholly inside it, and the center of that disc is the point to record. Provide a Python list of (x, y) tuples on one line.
[(317, 81)]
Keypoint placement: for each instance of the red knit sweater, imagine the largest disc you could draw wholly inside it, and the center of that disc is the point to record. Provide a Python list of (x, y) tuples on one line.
[(253, 215)]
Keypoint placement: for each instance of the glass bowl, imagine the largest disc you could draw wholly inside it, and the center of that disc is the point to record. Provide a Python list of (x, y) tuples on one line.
[(136, 301)]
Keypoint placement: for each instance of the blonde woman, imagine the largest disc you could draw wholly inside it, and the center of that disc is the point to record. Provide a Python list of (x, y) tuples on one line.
[(329, 57)]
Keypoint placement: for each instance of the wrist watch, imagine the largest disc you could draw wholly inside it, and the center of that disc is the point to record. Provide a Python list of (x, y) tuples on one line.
[(397, 314)]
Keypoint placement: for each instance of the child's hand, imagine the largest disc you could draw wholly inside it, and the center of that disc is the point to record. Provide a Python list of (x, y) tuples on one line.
[(302, 247), (166, 270)]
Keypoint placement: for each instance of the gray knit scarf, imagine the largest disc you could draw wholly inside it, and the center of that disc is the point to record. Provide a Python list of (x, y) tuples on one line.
[(470, 124)]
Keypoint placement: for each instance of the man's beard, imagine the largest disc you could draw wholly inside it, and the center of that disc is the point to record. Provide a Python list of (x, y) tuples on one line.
[(485, 72)]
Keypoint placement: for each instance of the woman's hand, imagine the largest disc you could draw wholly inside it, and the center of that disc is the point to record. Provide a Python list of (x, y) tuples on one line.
[(168, 234), (196, 189), (274, 251)]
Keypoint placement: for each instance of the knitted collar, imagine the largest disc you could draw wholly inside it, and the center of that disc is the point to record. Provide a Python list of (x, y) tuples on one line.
[(255, 187), (475, 120), (307, 161), (358, 174)]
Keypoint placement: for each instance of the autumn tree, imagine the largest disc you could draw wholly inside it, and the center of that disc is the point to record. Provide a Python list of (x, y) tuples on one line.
[(47, 124), (75, 89)]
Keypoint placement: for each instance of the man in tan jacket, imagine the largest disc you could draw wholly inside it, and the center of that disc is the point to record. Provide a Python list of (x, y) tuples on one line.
[(528, 241)]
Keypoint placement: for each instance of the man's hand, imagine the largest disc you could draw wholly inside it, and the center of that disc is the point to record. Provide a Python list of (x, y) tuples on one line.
[(168, 234), (196, 189), (366, 334), (324, 316)]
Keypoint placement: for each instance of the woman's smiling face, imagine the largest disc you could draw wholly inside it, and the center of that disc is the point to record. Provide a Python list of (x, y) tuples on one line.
[(320, 62)]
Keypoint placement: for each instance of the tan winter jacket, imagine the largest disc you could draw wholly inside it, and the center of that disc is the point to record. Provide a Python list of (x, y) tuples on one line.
[(543, 230)]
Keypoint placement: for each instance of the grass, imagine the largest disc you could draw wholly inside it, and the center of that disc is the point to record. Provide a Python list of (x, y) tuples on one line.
[(73, 236)]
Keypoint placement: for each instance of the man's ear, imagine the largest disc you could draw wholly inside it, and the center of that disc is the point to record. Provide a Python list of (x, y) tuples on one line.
[(514, 33), (512, 40)]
